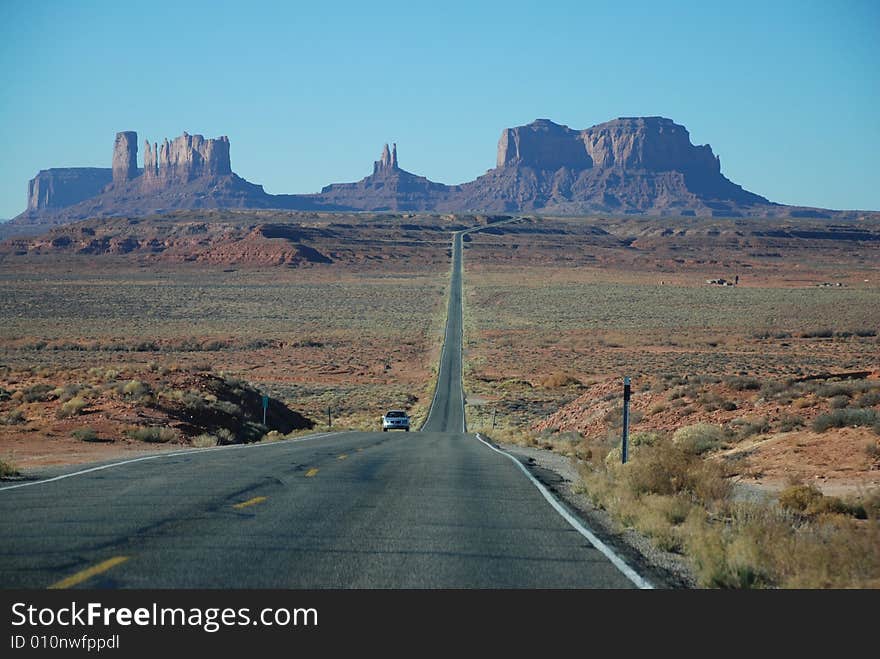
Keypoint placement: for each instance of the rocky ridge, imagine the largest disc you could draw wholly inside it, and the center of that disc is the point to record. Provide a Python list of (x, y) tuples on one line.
[(630, 165)]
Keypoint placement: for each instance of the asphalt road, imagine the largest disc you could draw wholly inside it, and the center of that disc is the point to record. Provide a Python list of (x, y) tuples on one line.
[(435, 509)]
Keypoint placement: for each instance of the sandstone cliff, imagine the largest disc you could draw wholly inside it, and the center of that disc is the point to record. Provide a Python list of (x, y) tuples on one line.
[(630, 165), (64, 186), (125, 157)]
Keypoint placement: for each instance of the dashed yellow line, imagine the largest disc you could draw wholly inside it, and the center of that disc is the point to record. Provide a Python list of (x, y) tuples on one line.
[(342, 457), (88, 573), (311, 472), (250, 502), (359, 450)]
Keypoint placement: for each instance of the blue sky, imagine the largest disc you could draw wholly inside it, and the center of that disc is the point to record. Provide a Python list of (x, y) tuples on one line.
[(787, 93)]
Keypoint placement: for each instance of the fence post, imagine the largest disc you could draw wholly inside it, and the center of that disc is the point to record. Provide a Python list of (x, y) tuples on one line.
[(625, 440)]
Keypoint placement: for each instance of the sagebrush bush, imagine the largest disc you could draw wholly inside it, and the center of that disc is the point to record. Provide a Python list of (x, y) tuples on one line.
[(846, 418), (38, 393), (73, 407), (789, 422), (558, 380), (225, 436), (699, 438), (7, 468), (742, 383), (12, 418), (204, 440), (152, 434), (135, 388), (85, 434), (810, 501)]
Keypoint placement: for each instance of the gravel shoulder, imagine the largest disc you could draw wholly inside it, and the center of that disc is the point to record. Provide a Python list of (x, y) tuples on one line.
[(558, 473)]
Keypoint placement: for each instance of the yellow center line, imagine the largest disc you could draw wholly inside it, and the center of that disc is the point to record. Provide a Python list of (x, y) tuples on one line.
[(359, 450), (311, 472), (342, 457), (88, 573), (250, 502)]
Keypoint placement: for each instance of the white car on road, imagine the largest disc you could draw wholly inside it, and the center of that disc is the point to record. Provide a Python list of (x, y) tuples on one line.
[(395, 420)]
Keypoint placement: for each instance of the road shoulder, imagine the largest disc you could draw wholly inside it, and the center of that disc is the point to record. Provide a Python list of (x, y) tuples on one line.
[(559, 475)]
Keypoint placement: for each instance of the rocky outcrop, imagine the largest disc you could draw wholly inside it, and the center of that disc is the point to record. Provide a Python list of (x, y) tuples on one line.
[(61, 187), (125, 157), (185, 159), (388, 188), (387, 164), (190, 156), (630, 165), (151, 161), (542, 144)]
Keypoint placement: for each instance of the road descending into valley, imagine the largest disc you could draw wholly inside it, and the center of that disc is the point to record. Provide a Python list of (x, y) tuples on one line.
[(433, 509)]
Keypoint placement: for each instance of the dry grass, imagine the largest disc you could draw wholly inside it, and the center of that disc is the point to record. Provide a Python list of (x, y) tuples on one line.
[(683, 504), (7, 468)]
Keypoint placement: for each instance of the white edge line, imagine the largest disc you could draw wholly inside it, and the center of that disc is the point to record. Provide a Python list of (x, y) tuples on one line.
[(170, 454), (618, 562)]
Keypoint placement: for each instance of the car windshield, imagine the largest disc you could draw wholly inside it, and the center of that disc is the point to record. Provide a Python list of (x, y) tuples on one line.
[(395, 415)]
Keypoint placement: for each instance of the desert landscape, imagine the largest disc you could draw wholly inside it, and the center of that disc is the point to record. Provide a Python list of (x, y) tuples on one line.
[(756, 403), (749, 329)]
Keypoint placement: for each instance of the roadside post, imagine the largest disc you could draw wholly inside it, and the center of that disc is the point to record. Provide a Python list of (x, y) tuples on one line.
[(329, 418), (493, 418), (625, 439), (265, 407)]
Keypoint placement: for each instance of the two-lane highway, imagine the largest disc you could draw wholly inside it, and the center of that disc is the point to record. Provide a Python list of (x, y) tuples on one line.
[(435, 509)]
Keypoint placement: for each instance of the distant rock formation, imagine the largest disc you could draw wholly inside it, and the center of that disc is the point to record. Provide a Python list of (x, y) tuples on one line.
[(630, 165), (388, 188), (61, 187), (627, 165), (387, 163), (185, 159), (125, 157)]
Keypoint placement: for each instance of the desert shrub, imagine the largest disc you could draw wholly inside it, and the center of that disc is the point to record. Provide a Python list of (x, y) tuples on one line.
[(66, 392), (225, 436), (85, 434), (647, 437), (152, 434), (558, 380), (789, 422), (193, 401), (808, 500), (817, 334), (728, 405), (135, 388), (846, 418), (838, 402), (272, 436), (656, 408), (747, 426), (834, 390), (4, 394), (12, 418), (698, 438), (742, 383), (229, 408), (666, 469), (38, 393), (72, 407), (865, 333), (204, 440), (772, 389), (869, 399), (7, 468)]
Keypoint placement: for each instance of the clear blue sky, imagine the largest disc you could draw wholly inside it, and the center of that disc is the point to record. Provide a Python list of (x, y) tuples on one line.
[(787, 93)]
